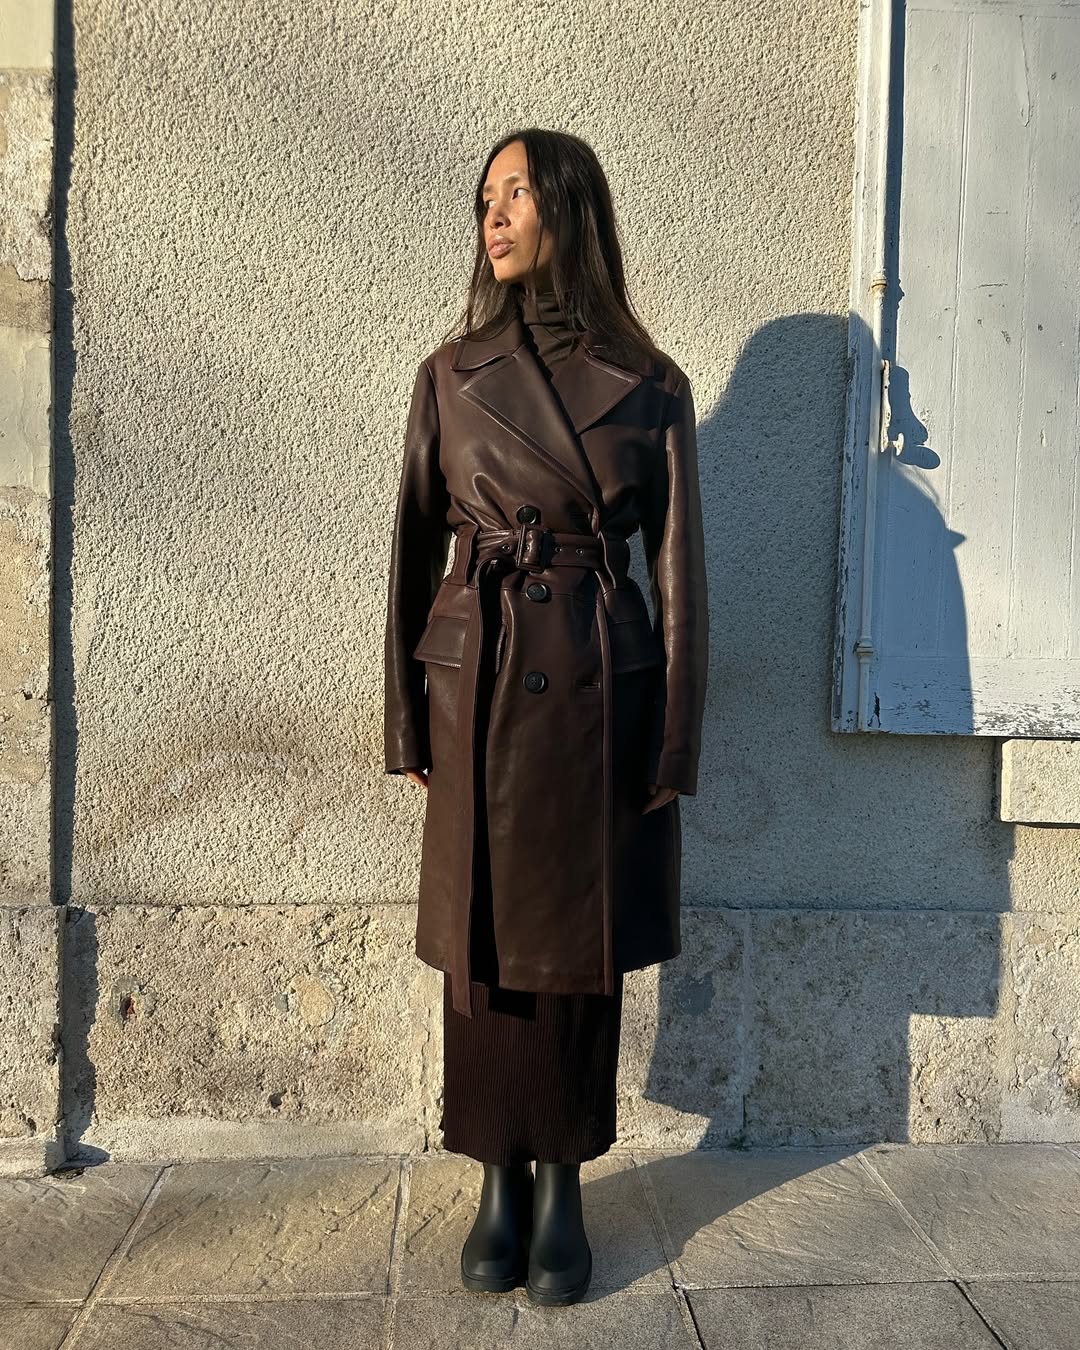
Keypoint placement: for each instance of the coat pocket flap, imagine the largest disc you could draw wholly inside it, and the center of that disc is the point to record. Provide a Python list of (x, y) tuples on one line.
[(442, 641), (634, 645)]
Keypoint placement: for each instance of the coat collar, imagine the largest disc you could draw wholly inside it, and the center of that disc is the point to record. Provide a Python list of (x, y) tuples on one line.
[(547, 417), (471, 352)]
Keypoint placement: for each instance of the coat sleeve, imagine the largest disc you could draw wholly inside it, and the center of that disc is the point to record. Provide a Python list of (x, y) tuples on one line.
[(421, 544), (674, 544)]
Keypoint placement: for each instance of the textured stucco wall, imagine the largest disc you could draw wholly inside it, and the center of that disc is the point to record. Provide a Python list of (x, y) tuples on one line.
[(268, 227)]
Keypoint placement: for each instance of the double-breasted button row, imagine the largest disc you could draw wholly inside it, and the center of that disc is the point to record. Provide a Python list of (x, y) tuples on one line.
[(535, 681)]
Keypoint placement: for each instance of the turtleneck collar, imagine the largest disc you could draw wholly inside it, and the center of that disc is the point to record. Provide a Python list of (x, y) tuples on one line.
[(544, 308), (546, 320)]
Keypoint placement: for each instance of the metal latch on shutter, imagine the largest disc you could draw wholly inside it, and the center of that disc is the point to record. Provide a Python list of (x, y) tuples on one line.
[(884, 444)]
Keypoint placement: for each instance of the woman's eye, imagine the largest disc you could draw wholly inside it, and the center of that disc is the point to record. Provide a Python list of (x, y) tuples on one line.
[(488, 201)]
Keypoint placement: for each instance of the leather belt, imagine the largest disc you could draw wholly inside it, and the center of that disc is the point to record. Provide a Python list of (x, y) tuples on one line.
[(477, 555)]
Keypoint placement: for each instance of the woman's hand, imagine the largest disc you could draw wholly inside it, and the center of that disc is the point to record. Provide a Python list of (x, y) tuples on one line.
[(417, 776), (660, 797)]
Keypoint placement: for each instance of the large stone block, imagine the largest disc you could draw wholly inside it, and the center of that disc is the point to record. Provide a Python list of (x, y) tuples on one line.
[(682, 1040), (26, 34), (1039, 781), (260, 1030), (25, 390), (874, 1025), (26, 169), (1041, 1053), (25, 709), (30, 1055)]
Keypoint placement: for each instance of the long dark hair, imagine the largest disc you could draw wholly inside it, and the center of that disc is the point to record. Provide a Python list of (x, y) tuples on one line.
[(573, 202)]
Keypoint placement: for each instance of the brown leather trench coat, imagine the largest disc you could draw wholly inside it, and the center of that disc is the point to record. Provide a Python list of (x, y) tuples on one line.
[(529, 680)]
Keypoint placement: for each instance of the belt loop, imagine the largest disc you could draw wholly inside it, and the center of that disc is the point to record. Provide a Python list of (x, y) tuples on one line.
[(605, 544), (523, 544), (464, 553)]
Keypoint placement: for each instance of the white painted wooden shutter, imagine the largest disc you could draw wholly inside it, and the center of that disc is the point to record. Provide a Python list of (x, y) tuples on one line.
[(960, 555)]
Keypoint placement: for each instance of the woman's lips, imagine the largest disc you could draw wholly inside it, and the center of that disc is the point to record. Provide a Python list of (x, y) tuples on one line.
[(497, 250)]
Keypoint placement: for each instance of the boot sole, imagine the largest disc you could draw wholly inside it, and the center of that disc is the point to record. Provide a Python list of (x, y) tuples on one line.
[(557, 1298)]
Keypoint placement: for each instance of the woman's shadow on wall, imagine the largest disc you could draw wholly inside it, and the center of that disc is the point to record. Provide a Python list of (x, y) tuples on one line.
[(841, 893)]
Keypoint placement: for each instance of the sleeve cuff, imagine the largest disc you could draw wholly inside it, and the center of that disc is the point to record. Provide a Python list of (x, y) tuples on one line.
[(674, 770)]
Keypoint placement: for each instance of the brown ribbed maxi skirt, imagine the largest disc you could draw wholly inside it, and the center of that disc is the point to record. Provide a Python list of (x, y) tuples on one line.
[(529, 1075)]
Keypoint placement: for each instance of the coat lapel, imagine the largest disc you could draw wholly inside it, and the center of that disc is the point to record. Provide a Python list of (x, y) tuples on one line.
[(511, 387)]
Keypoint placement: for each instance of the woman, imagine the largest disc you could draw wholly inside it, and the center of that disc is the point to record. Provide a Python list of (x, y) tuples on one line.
[(552, 722)]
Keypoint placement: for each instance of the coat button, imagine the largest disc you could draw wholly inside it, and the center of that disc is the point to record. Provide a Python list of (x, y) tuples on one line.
[(538, 590), (535, 681), (528, 515)]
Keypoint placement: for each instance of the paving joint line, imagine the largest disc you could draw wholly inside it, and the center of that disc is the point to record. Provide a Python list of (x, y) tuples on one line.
[(108, 1270)]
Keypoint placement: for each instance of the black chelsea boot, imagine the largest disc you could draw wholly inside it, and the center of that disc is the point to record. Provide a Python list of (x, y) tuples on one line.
[(560, 1258), (495, 1253)]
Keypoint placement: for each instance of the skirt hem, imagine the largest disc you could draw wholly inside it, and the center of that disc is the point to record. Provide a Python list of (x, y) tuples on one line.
[(515, 1159)]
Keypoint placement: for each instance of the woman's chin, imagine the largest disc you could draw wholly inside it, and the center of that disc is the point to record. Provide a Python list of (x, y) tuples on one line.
[(513, 275)]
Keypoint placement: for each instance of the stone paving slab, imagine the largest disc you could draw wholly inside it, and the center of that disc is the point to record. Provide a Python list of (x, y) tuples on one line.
[(57, 1231), (358, 1323), (36, 1328), (781, 1216), (840, 1317), (606, 1321), (280, 1228), (1031, 1314), (1003, 1209)]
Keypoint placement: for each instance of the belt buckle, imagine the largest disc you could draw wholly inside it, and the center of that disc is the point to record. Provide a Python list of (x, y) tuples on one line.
[(533, 547)]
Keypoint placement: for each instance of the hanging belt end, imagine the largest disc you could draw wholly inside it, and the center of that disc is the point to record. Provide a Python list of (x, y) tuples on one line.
[(462, 992)]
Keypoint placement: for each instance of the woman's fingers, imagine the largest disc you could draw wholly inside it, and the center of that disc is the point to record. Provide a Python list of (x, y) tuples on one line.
[(660, 797)]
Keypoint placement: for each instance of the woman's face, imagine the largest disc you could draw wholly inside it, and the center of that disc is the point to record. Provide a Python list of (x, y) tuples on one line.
[(510, 218)]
